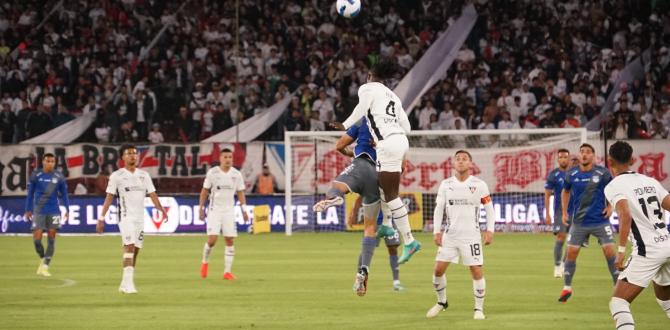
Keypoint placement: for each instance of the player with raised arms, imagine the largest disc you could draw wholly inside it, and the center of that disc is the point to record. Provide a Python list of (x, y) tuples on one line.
[(361, 177), (221, 185), (389, 126), (131, 185), (461, 196), (639, 202)]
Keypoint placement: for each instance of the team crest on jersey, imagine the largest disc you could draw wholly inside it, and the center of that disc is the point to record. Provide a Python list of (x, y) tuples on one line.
[(54, 180), (473, 189), (596, 178)]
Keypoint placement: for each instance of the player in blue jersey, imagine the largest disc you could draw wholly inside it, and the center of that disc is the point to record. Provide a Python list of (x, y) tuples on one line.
[(554, 186), (583, 203), (44, 188), (360, 177)]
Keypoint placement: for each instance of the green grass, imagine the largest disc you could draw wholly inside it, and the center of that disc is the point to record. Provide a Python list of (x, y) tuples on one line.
[(303, 282)]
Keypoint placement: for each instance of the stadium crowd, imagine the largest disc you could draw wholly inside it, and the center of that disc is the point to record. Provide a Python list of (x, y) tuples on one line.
[(525, 64)]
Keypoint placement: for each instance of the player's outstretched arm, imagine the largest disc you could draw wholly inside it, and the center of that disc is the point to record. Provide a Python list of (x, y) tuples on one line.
[(665, 204), (157, 204), (364, 101), (624, 229), (204, 194), (100, 226)]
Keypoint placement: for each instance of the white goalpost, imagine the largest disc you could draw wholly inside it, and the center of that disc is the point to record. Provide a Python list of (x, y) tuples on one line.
[(514, 163)]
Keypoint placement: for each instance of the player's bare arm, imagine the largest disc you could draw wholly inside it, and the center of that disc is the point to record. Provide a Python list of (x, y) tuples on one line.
[(243, 204), (100, 226), (624, 229), (157, 204), (343, 143), (547, 206), (336, 126), (204, 194)]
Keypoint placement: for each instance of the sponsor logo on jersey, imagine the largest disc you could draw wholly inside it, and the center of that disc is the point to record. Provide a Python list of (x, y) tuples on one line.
[(459, 202)]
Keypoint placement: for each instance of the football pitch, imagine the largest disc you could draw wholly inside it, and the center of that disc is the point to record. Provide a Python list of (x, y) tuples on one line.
[(299, 282)]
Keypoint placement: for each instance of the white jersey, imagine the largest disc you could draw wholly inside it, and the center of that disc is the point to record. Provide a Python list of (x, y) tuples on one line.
[(222, 188), (383, 110), (131, 188), (462, 201), (644, 195)]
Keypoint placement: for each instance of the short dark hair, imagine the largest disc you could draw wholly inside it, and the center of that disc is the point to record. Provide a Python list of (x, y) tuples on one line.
[(463, 152), (384, 69), (563, 150), (125, 147), (586, 145), (226, 150), (48, 154), (621, 152)]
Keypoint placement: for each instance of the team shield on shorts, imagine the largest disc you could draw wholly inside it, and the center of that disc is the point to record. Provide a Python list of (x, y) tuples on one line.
[(222, 222), (132, 232), (558, 225), (361, 177), (579, 234), (468, 250), (46, 222)]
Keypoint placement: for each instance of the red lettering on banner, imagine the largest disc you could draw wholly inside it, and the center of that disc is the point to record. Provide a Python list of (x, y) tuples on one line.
[(331, 165), (521, 169), (425, 169), (652, 165), (406, 178)]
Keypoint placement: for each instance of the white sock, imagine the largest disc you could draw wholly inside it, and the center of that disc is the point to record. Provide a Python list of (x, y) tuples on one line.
[(567, 287), (479, 290), (440, 285), (620, 310), (665, 305), (228, 259), (399, 212), (205, 253), (386, 213), (128, 274)]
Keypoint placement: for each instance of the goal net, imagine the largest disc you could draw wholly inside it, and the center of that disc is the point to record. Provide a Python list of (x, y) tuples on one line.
[(514, 164)]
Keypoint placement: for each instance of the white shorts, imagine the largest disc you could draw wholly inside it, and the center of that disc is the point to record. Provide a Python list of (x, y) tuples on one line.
[(132, 232), (222, 223), (390, 153), (641, 270), (452, 249)]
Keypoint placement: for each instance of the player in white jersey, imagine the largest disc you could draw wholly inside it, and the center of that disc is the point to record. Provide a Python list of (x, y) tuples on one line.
[(131, 185), (389, 126), (221, 185), (639, 201), (461, 196)]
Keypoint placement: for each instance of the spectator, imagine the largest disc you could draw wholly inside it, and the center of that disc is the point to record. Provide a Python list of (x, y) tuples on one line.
[(620, 128), (128, 133), (296, 122), (222, 119), (657, 130), (7, 122), (155, 136), (265, 184), (315, 123), (425, 113), (62, 115), (102, 132), (38, 122), (324, 106)]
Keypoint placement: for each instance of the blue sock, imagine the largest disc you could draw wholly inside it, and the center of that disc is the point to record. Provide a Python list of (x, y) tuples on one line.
[(39, 248), (393, 262), (51, 246), (558, 252), (367, 250), (569, 272)]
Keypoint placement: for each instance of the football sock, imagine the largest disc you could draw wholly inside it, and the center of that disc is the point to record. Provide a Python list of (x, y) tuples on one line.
[(665, 305), (39, 248), (620, 310), (569, 272), (393, 262), (367, 250), (399, 212), (51, 246), (205, 253), (440, 285), (558, 252), (479, 291), (228, 259)]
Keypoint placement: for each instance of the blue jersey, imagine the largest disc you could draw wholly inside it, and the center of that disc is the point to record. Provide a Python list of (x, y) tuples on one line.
[(43, 191), (587, 195), (555, 181), (361, 133)]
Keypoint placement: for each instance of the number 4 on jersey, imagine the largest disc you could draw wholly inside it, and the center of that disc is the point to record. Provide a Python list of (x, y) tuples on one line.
[(390, 109)]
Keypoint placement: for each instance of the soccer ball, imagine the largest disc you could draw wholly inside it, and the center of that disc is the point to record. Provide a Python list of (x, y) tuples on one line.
[(348, 8)]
